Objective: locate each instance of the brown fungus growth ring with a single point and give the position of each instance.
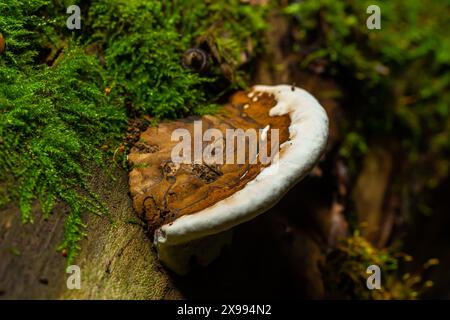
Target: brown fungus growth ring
(196, 178)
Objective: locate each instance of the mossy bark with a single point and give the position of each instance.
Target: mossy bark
(116, 259)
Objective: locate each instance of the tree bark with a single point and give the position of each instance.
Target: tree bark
(116, 259)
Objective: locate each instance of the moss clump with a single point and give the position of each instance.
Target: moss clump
(142, 50)
(52, 121)
(66, 97)
(143, 43)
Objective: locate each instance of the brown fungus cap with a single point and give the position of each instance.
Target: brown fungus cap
(163, 190)
(184, 202)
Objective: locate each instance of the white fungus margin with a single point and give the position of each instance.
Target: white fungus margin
(177, 241)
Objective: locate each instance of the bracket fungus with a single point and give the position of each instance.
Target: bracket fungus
(190, 205)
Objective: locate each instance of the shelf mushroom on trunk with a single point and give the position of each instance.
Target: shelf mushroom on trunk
(190, 205)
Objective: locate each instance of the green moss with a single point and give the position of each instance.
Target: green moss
(143, 43)
(142, 54)
(56, 117)
(20, 26)
(52, 122)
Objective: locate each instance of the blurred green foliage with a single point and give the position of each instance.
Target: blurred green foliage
(346, 272)
(401, 72)
(396, 94)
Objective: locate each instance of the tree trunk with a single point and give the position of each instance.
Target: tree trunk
(116, 259)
